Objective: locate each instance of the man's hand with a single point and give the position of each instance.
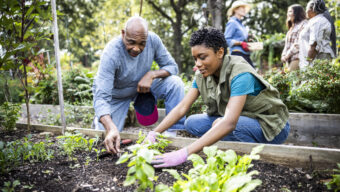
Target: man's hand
(170, 159)
(112, 141)
(144, 84)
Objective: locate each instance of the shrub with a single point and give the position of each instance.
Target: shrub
(9, 114)
(313, 90)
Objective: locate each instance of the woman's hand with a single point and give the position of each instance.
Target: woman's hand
(170, 159)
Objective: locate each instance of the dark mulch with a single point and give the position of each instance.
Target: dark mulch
(87, 174)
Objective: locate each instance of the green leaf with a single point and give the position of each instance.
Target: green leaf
(256, 150)
(235, 182)
(196, 160)
(124, 158)
(129, 180)
(250, 186)
(174, 173)
(230, 156)
(146, 154)
(210, 151)
(148, 170)
(162, 188)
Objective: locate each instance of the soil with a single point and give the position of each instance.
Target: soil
(81, 175)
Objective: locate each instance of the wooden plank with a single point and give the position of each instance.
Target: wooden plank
(292, 156)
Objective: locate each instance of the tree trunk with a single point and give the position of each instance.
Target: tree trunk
(216, 8)
(177, 49)
(24, 63)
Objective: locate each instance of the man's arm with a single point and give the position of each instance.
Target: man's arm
(144, 84)
(102, 97)
(112, 138)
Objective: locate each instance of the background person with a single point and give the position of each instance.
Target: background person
(236, 33)
(317, 36)
(242, 106)
(125, 71)
(296, 20)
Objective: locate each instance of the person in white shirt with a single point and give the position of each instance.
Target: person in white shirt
(317, 40)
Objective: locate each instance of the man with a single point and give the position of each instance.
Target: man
(125, 71)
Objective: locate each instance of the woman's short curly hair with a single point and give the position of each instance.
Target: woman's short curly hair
(209, 37)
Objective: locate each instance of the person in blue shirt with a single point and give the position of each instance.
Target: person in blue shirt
(236, 33)
(125, 70)
(241, 105)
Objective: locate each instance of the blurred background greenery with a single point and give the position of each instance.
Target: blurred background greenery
(85, 26)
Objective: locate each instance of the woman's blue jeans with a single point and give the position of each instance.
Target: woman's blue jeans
(247, 129)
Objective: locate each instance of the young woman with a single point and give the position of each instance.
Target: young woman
(317, 40)
(236, 33)
(242, 106)
(296, 20)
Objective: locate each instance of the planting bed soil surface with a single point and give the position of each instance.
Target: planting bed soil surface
(88, 174)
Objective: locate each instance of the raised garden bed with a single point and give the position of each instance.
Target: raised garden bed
(88, 174)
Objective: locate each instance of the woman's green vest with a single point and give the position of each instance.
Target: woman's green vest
(266, 107)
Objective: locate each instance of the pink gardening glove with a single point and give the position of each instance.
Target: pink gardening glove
(245, 46)
(170, 159)
(151, 137)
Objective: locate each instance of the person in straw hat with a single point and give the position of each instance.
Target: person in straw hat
(236, 33)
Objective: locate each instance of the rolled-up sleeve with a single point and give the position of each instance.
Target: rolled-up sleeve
(163, 57)
(103, 86)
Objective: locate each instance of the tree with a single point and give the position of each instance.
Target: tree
(77, 25)
(269, 17)
(25, 25)
(181, 19)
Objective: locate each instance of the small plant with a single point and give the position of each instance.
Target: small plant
(16, 152)
(73, 142)
(140, 170)
(335, 182)
(9, 114)
(159, 145)
(222, 171)
(9, 186)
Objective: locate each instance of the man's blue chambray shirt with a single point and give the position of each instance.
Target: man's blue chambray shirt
(119, 73)
(235, 31)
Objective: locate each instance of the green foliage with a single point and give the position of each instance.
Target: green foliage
(80, 116)
(77, 87)
(9, 186)
(142, 154)
(222, 171)
(16, 152)
(313, 90)
(159, 145)
(140, 170)
(12, 89)
(70, 143)
(335, 182)
(270, 55)
(77, 25)
(9, 114)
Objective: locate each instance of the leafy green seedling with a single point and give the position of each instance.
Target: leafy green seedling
(222, 171)
(140, 170)
(335, 182)
(9, 186)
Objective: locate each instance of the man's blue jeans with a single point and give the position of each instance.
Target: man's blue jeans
(171, 89)
(247, 129)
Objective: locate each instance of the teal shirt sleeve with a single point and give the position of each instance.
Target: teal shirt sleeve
(245, 84)
(194, 84)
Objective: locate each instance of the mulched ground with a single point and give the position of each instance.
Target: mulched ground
(87, 174)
